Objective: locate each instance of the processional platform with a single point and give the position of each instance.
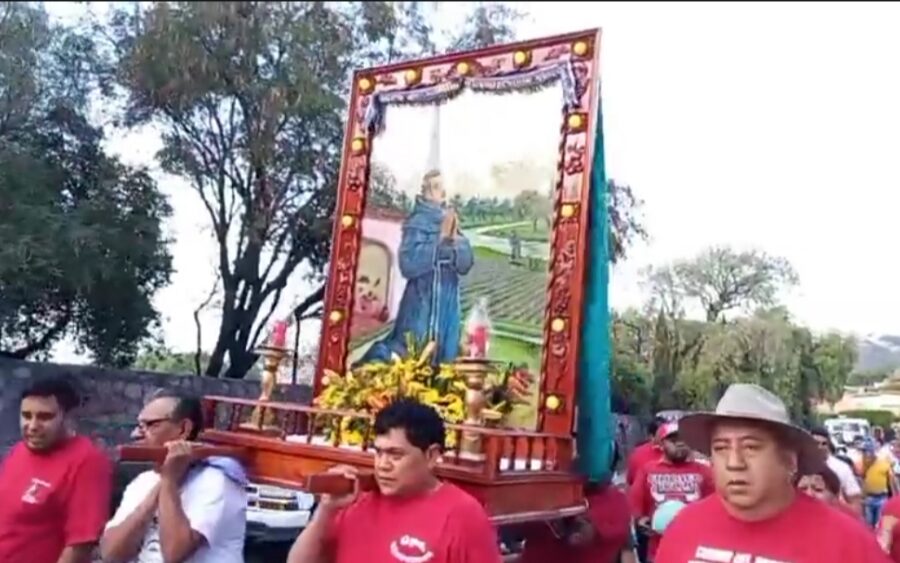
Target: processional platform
(522, 476)
(498, 145)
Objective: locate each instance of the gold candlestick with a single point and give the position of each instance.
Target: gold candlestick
(272, 358)
(474, 372)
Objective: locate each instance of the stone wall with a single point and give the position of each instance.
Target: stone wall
(112, 399)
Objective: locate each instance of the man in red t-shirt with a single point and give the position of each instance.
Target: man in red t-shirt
(674, 477)
(641, 456)
(757, 513)
(412, 516)
(644, 453)
(55, 487)
(599, 536)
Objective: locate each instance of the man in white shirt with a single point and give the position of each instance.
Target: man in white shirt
(850, 489)
(185, 512)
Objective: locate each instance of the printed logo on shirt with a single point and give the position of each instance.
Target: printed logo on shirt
(670, 486)
(151, 551)
(714, 555)
(411, 550)
(36, 492)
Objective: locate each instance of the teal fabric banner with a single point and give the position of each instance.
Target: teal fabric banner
(595, 431)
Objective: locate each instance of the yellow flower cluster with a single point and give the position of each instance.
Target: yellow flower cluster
(373, 386)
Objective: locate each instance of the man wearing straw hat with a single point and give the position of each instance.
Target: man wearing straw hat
(756, 514)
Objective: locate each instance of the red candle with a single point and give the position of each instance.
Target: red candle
(279, 334)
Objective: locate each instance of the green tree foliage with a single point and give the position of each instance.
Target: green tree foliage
(250, 97)
(869, 377)
(163, 360)
(626, 225)
(688, 364)
(723, 279)
(83, 250)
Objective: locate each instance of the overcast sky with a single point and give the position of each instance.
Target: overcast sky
(774, 126)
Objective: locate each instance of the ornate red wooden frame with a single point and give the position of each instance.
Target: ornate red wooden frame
(562, 318)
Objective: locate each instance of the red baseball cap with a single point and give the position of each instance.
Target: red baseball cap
(666, 430)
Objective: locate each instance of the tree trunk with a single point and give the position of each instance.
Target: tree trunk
(217, 358)
(240, 358)
(43, 342)
(241, 362)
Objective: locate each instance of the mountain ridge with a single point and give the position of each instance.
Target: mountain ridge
(878, 353)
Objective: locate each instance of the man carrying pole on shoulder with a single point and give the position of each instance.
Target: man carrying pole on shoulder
(412, 516)
(185, 512)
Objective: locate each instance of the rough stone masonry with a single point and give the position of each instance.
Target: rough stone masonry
(111, 399)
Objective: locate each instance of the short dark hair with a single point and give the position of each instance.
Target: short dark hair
(822, 432)
(423, 425)
(57, 387)
(187, 407)
(829, 477)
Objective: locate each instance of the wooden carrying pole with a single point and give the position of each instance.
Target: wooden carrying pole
(321, 483)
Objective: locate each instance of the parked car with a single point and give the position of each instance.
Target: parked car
(275, 514)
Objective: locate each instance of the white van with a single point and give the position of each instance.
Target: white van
(847, 430)
(275, 514)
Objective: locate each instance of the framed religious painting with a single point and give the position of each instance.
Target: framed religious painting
(458, 269)
(461, 226)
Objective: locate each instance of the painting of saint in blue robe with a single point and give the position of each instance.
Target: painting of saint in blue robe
(433, 255)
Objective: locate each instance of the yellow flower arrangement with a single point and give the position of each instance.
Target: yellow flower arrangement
(373, 386)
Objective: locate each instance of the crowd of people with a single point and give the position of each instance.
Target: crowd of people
(741, 484)
(727, 458)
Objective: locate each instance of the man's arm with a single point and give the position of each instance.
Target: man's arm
(124, 534)
(77, 553)
(177, 539)
(850, 488)
(637, 495)
(87, 507)
(313, 543)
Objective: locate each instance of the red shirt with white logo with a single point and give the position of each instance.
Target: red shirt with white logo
(609, 514)
(641, 456)
(52, 500)
(663, 480)
(445, 526)
(809, 531)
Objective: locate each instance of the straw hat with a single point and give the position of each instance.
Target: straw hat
(745, 401)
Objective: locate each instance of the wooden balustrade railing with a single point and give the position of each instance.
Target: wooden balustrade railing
(505, 452)
(519, 476)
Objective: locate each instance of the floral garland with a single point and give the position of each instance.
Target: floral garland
(373, 386)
